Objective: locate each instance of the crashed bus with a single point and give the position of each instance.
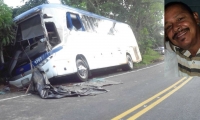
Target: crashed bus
(61, 40)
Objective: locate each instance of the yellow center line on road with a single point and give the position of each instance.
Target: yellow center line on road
(152, 98)
(158, 101)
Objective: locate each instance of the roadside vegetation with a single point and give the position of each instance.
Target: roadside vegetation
(149, 58)
(143, 16)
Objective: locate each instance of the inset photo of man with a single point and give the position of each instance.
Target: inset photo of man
(182, 37)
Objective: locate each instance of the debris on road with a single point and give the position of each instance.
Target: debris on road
(40, 84)
(4, 90)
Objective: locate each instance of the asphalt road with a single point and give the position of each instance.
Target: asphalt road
(144, 95)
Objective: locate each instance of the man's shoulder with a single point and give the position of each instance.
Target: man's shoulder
(170, 46)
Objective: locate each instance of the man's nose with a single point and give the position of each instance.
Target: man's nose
(176, 27)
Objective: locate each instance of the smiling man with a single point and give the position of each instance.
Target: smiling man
(182, 36)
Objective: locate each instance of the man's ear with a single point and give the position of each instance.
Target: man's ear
(196, 17)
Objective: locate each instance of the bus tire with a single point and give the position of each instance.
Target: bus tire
(82, 70)
(129, 65)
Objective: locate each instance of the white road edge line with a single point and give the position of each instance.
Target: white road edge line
(14, 97)
(133, 71)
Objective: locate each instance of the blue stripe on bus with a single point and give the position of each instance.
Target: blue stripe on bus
(37, 61)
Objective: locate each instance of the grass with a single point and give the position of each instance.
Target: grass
(149, 58)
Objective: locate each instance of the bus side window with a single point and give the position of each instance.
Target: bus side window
(80, 23)
(90, 22)
(74, 22)
(86, 23)
(69, 21)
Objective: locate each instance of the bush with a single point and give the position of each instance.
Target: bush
(148, 58)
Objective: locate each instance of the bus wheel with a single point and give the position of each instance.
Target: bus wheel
(82, 70)
(129, 65)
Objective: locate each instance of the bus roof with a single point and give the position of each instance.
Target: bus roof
(52, 6)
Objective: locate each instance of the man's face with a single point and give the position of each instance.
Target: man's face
(180, 26)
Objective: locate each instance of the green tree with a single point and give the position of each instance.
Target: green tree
(146, 14)
(6, 27)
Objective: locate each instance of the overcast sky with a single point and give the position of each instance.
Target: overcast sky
(15, 3)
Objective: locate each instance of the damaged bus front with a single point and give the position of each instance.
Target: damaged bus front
(36, 42)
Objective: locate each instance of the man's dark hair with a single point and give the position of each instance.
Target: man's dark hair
(183, 5)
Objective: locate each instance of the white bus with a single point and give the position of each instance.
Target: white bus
(61, 40)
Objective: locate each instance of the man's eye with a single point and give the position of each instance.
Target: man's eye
(179, 19)
(167, 28)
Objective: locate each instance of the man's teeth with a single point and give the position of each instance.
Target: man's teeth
(181, 34)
